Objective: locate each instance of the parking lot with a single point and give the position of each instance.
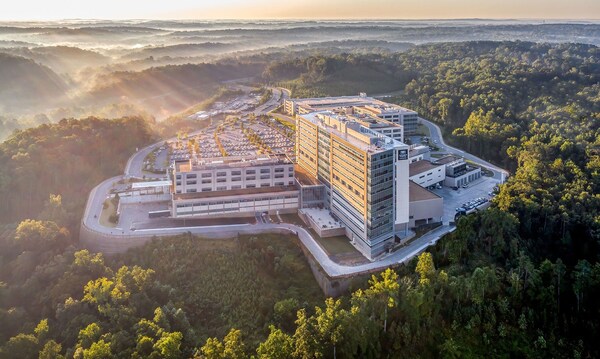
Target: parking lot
(456, 198)
(134, 213)
(234, 137)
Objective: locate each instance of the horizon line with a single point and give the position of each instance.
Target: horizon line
(303, 19)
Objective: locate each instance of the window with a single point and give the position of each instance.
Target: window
(264, 184)
(206, 181)
(250, 178)
(207, 175)
(178, 177)
(265, 170)
(251, 186)
(178, 183)
(279, 175)
(191, 190)
(278, 183)
(265, 176)
(221, 180)
(190, 175)
(236, 179)
(236, 173)
(221, 188)
(221, 174)
(190, 182)
(236, 187)
(250, 172)
(278, 170)
(206, 189)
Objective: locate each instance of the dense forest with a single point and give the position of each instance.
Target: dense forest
(345, 74)
(521, 279)
(68, 159)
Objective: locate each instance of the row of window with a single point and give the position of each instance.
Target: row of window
(234, 173)
(236, 179)
(219, 203)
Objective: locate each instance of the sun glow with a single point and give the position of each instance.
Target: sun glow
(300, 9)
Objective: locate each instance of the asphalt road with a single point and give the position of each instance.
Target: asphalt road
(333, 269)
(437, 139)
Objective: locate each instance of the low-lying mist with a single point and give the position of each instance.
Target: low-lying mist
(50, 70)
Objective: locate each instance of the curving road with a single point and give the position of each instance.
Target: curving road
(436, 137)
(331, 268)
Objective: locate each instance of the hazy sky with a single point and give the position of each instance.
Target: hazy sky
(296, 9)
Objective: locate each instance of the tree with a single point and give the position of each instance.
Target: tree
(212, 349)
(232, 347)
(89, 335)
(21, 346)
(383, 291)
(98, 350)
(51, 350)
(39, 236)
(330, 322)
(581, 280)
(54, 210)
(305, 337)
(481, 280)
(278, 345)
(284, 312)
(425, 268)
(41, 330)
(169, 345)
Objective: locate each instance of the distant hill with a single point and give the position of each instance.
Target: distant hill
(25, 84)
(337, 75)
(61, 59)
(181, 50)
(168, 89)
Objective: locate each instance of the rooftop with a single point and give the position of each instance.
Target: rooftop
(304, 178)
(323, 103)
(139, 185)
(416, 150)
(233, 192)
(447, 159)
(322, 217)
(230, 162)
(417, 193)
(351, 132)
(421, 166)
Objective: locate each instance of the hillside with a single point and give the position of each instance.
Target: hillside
(25, 84)
(337, 75)
(67, 158)
(168, 89)
(61, 59)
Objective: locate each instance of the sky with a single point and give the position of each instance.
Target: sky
(299, 9)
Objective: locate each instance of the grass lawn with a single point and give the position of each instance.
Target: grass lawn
(335, 245)
(285, 120)
(106, 213)
(292, 219)
(338, 248)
